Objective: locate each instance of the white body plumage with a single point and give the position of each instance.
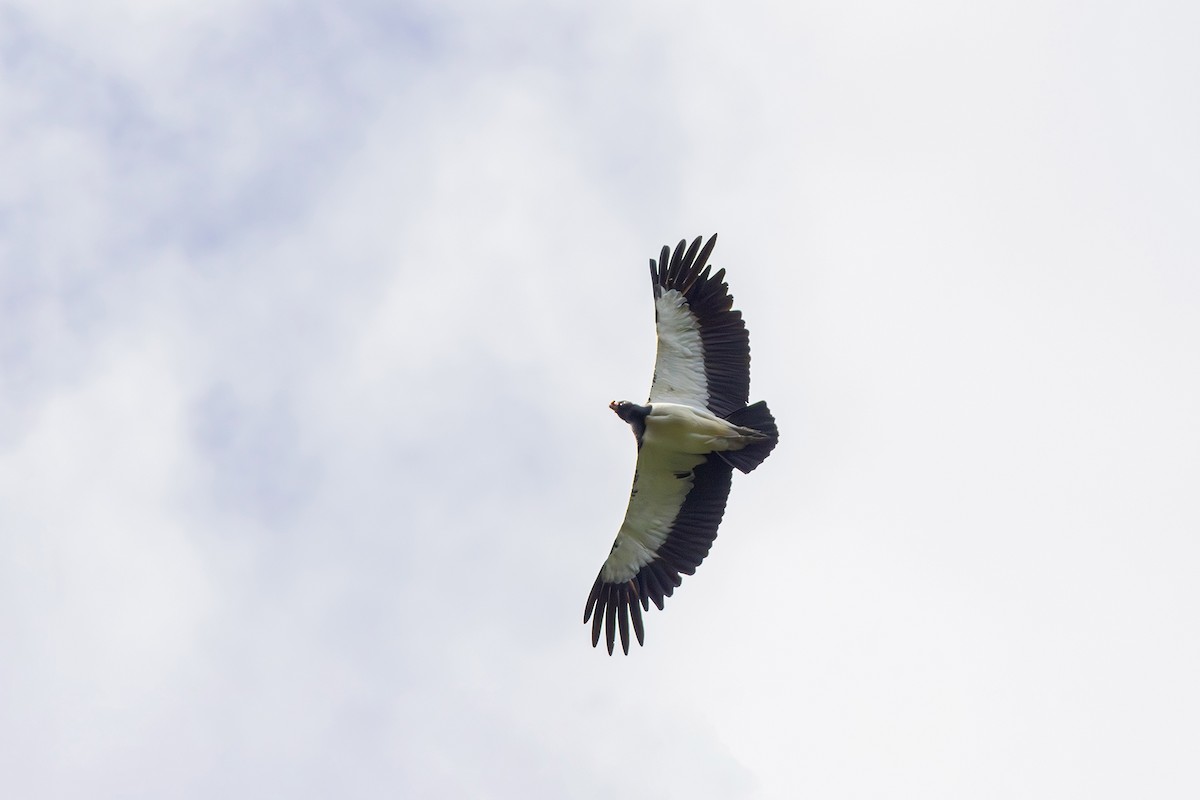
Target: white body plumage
(677, 428)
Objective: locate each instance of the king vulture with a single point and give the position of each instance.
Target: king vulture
(695, 429)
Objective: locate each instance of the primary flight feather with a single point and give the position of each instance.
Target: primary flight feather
(695, 429)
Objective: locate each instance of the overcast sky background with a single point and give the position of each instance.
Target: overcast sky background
(309, 318)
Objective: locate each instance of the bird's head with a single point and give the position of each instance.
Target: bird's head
(630, 412)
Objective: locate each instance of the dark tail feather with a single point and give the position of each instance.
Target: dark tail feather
(756, 417)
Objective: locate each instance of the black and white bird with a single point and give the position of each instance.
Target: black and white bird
(691, 434)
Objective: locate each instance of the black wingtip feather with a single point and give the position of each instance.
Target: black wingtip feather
(702, 259)
(690, 256)
(597, 621)
(676, 263)
(591, 601)
(610, 619)
(638, 630)
(623, 618)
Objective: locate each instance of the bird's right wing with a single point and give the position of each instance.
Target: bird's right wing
(675, 507)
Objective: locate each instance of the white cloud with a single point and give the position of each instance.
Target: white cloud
(311, 320)
(106, 584)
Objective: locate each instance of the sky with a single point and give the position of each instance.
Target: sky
(310, 320)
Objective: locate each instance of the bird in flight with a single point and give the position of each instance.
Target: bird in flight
(695, 429)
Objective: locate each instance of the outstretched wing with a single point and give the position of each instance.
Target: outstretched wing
(703, 346)
(674, 511)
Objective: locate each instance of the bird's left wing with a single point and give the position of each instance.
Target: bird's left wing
(703, 356)
(674, 510)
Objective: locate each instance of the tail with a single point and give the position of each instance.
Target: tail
(758, 418)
